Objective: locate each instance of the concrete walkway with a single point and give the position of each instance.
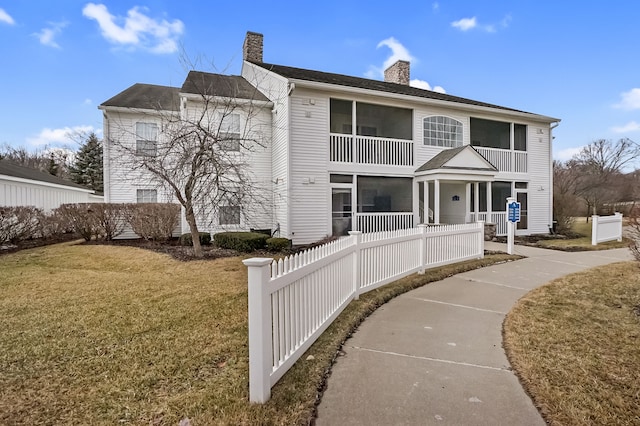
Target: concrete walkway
(434, 355)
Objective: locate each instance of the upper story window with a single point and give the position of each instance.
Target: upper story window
(371, 120)
(146, 139)
(146, 196)
(442, 131)
(497, 134)
(229, 134)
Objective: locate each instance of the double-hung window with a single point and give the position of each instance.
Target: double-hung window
(229, 215)
(229, 134)
(146, 196)
(146, 139)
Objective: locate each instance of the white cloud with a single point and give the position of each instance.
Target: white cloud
(435, 6)
(398, 52)
(567, 153)
(632, 126)
(6, 18)
(630, 100)
(465, 24)
(421, 84)
(59, 136)
(47, 35)
(87, 101)
(137, 29)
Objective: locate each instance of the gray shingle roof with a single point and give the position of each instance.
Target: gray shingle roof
(147, 96)
(439, 161)
(227, 86)
(377, 85)
(9, 168)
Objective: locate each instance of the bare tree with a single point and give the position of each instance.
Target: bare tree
(55, 161)
(598, 165)
(199, 152)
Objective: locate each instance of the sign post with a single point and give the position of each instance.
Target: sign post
(513, 217)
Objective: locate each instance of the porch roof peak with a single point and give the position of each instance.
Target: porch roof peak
(457, 159)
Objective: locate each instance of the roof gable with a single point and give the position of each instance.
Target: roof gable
(461, 158)
(146, 96)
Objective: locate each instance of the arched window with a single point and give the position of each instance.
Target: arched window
(442, 131)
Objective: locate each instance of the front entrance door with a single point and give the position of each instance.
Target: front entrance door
(522, 198)
(341, 211)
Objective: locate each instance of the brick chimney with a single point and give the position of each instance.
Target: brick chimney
(252, 48)
(398, 73)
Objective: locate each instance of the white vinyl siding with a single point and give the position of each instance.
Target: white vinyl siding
(539, 185)
(22, 192)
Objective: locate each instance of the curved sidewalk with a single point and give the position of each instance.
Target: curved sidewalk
(434, 355)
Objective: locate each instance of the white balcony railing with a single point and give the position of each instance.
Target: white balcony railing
(370, 150)
(499, 218)
(505, 160)
(376, 222)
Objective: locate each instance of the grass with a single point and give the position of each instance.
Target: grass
(574, 345)
(94, 334)
(582, 243)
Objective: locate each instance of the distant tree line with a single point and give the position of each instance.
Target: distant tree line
(83, 166)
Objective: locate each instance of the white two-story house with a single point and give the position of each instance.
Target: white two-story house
(348, 153)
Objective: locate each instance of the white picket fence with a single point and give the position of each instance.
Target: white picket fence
(292, 301)
(606, 228)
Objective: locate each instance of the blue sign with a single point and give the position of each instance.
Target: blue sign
(513, 213)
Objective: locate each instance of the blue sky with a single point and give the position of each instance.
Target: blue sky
(574, 60)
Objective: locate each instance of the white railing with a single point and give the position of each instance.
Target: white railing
(606, 228)
(293, 300)
(370, 150)
(505, 160)
(499, 218)
(376, 222)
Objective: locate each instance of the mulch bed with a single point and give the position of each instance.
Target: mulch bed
(171, 247)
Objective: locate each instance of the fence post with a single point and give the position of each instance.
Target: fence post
(260, 350)
(357, 239)
(618, 216)
(481, 235)
(423, 247)
(594, 230)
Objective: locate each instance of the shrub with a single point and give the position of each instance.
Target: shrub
(80, 219)
(241, 241)
(19, 223)
(153, 221)
(111, 219)
(186, 240)
(278, 244)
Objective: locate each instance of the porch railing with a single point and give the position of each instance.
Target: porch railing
(499, 218)
(370, 150)
(505, 160)
(377, 222)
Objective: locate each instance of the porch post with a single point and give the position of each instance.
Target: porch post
(467, 204)
(425, 203)
(436, 201)
(476, 199)
(489, 207)
(416, 202)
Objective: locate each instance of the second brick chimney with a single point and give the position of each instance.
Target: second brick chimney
(398, 73)
(252, 48)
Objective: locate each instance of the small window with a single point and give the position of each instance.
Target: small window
(229, 215)
(521, 185)
(146, 139)
(341, 178)
(229, 135)
(146, 196)
(519, 137)
(442, 131)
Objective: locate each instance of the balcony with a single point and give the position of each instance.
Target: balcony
(505, 160)
(370, 150)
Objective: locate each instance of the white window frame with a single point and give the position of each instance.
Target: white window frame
(229, 131)
(442, 131)
(146, 139)
(146, 195)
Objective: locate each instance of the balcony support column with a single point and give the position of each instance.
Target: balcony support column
(436, 201)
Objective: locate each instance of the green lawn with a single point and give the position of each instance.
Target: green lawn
(93, 334)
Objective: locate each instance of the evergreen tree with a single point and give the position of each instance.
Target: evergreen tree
(87, 167)
(52, 166)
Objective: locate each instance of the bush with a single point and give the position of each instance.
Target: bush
(111, 219)
(241, 241)
(19, 223)
(153, 221)
(80, 219)
(278, 244)
(204, 237)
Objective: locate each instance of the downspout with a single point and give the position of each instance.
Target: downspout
(553, 126)
(291, 87)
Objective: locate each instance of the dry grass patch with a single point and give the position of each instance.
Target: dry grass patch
(94, 334)
(581, 243)
(574, 344)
